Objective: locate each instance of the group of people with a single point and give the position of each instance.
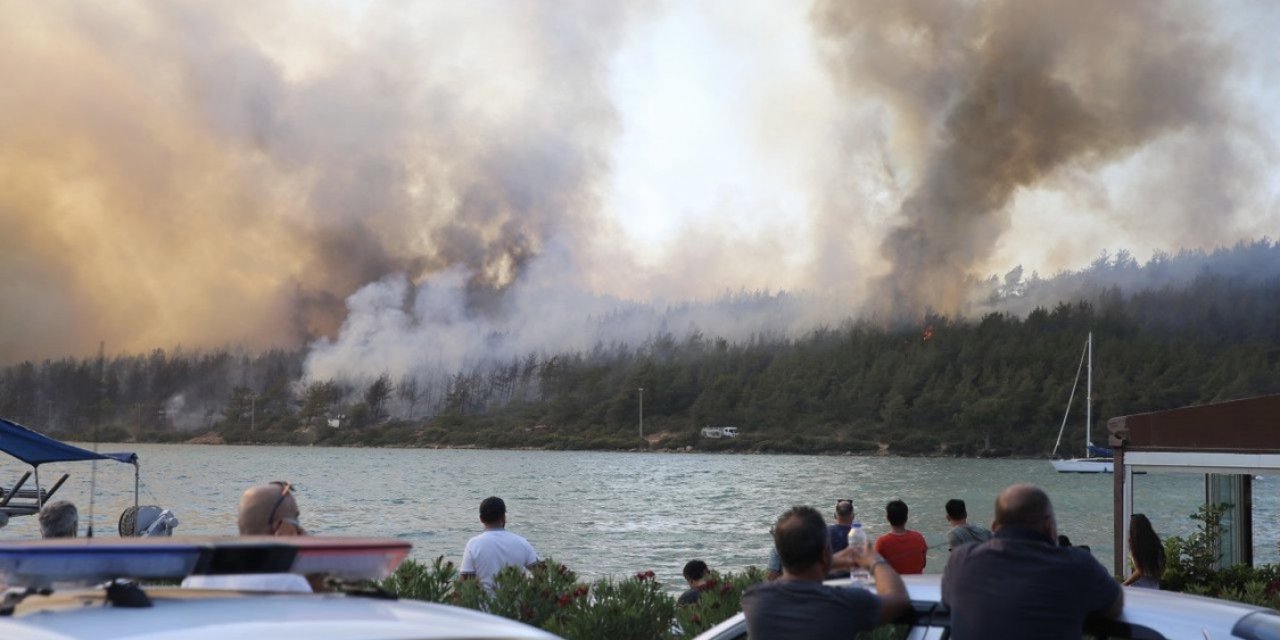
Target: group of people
(272, 510)
(904, 549)
(1014, 582)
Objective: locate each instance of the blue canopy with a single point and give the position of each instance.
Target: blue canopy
(36, 449)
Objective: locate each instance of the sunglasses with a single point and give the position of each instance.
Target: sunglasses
(285, 490)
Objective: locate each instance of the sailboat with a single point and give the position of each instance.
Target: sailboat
(1097, 459)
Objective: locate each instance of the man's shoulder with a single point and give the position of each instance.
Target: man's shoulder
(516, 538)
(803, 589)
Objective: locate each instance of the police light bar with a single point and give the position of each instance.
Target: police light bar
(88, 561)
(76, 561)
(349, 558)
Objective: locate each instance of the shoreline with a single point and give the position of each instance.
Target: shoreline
(210, 439)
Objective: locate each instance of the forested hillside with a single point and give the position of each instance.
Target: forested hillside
(941, 386)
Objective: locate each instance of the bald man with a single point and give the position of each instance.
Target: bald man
(1020, 583)
(265, 510)
(269, 510)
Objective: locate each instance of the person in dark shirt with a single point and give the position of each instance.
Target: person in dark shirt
(961, 531)
(798, 605)
(838, 533)
(696, 574)
(1021, 584)
(1146, 552)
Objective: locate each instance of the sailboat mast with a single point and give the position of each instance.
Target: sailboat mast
(1088, 402)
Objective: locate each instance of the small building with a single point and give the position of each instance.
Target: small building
(1229, 442)
(729, 432)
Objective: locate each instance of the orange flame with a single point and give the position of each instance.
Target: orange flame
(928, 332)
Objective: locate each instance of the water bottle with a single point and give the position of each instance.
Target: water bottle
(858, 542)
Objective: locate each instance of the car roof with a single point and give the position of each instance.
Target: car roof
(1172, 614)
(1147, 607)
(200, 614)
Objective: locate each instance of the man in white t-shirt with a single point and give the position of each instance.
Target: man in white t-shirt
(487, 553)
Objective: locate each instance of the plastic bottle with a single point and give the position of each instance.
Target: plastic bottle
(858, 541)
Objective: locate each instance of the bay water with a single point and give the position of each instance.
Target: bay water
(606, 513)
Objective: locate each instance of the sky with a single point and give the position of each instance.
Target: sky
(355, 177)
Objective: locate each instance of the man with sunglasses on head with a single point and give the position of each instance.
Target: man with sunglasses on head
(265, 510)
(837, 533)
(269, 510)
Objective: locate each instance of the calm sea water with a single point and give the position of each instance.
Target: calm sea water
(607, 513)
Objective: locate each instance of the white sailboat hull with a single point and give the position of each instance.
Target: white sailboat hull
(1084, 465)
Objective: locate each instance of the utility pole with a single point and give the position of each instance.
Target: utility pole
(641, 412)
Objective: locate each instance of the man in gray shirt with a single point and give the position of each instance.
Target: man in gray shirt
(1020, 583)
(798, 605)
(961, 531)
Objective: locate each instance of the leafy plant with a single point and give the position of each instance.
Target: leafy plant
(634, 608)
(1193, 566)
(532, 597)
(549, 596)
(418, 581)
(1194, 560)
(721, 598)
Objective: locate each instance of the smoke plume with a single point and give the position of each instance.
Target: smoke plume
(1000, 96)
(434, 185)
(214, 173)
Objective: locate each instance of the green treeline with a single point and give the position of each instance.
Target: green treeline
(994, 385)
(1000, 383)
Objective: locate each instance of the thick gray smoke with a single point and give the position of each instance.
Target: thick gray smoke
(409, 186)
(230, 172)
(434, 328)
(1002, 95)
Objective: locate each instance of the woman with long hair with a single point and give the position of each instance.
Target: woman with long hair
(1145, 552)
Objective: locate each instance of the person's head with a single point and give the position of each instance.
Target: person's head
(896, 513)
(800, 535)
(844, 511)
(695, 571)
(493, 512)
(59, 520)
(956, 511)
(1026, 505)
(1145, 546)
(269, 510)
(1063, 541)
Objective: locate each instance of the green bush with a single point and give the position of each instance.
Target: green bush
(417, 581)
(532, 597)
(634, 608)
(721, 598)
(1193, 560)
(549, 596)
(1192, 566)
